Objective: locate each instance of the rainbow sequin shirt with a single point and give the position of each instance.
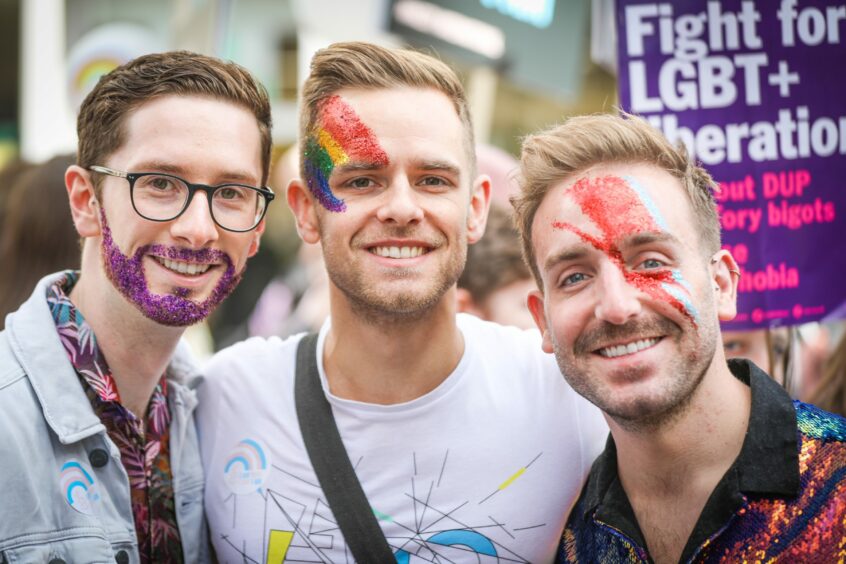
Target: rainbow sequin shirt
(783, 500)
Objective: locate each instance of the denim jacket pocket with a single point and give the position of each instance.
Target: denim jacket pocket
(68, 547)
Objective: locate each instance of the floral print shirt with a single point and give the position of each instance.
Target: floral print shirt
(144, 453)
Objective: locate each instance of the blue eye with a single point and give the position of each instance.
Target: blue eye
(651, 264)
(574, 278)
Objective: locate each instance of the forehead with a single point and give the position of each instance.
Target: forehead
(192, 132)
(614, 203)
(408, 122)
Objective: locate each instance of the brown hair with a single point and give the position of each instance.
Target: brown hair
(368, 66)
(495, 261)
(581, 142)
(104, 111)
(37, 236)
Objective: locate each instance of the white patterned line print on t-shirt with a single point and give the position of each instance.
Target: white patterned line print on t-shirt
(443, 530)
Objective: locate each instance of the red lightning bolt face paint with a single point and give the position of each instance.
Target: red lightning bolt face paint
(620, 208)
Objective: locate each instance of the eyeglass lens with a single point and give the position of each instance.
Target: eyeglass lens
(162, 198)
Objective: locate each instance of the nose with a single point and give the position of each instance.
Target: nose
(400, 206)
(195, 226)
(618, 300)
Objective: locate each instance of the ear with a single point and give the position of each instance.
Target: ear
(84, 207)
(726, 275)
(536, 307)
(480, 201)
(302, 205)
(255, 243)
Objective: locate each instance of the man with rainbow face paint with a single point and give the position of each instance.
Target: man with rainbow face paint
(99, 453)
(468, 444)
(709, 460)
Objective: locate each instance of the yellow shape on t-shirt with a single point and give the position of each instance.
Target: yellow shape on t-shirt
(277, 546)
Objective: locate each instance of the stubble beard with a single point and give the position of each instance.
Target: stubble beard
(378, 307)
(683, 375)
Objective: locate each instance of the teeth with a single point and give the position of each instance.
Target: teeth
(184, 267)
(631, 348)
(398, 252)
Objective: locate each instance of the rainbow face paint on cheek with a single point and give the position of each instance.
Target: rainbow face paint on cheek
(621, 207)
(339, 137)
(175, 309)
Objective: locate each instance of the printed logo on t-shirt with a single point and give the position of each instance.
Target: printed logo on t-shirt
(247, 466)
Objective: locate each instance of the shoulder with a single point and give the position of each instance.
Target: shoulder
(248, 364)
(21, 415)
(16, 391)
(10, 369)
(501, 340)
(250, 354)
(818, 425)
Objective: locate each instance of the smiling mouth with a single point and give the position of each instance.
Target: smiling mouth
(183, 267)
(396, 252)
(629, 348)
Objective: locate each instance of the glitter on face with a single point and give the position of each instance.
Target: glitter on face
(175, 309)
(620, 209)
(339, 137)
(647, 201)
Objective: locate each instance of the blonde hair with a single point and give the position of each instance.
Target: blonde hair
(368, 66)
(582, 142)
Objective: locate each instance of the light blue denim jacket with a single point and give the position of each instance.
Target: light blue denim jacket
(64, 494)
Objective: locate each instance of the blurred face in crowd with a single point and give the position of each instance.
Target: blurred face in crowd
(765, 347)
(507, 305)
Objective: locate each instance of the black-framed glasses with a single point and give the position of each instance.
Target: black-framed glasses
(164, 197)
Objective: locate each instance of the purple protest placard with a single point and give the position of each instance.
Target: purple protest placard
(757, 91)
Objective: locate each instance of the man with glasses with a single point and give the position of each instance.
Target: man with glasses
(98, 454)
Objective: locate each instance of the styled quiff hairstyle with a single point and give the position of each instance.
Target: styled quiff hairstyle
(371, 67)
(100, 124)
(582, 142)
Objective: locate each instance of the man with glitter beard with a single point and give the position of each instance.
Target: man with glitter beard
(98, 455)
(709, 460)
(467, 443)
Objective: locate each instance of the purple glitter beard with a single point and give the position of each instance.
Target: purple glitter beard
(176, 310)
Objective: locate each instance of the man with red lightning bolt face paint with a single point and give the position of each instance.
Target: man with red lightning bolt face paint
(621, 232)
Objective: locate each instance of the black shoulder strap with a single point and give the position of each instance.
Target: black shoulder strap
(332, 463)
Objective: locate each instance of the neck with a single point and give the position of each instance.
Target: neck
(137, 349)
(393, 361)
(694, 449)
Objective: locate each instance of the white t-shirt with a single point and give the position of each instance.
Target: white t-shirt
(484, 468)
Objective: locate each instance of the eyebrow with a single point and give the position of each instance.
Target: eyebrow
(444, 166)
(640, 239)
(355, 166)
(568, 255)
(170, 168)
